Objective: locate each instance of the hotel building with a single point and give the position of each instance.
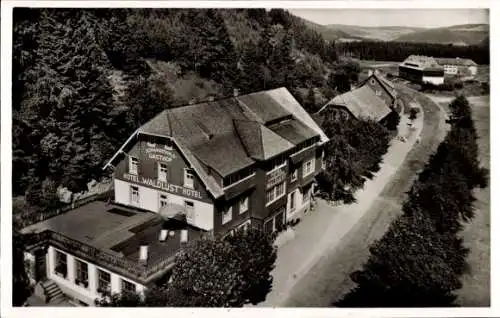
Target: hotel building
(204, 169)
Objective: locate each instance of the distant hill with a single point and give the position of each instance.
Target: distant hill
(388, 33)
(332, 34)
(460, 35)
(466, 34)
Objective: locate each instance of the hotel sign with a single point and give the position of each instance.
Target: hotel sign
(275, 177)
(165, 186)
(160, 154)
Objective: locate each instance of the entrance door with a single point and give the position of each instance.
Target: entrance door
(280, 220)
(40, 266)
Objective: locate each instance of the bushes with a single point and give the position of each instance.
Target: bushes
(420, 259)
(353, 153)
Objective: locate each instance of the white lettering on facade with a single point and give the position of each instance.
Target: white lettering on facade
(160, 154)
(276, 177)
(172, 188)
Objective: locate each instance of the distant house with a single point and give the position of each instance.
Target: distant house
(458, 66)
(374, 98)
(381, 86)
(422, 69)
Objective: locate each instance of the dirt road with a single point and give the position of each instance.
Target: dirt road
(328, 279)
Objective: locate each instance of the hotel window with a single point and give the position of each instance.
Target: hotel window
(133, 165)
(82, 273)
(294, 175)
(280, 189)
(227, 215)
(270, 195)
(134, 194)
(189, 205)
(128, 287)
(188, 178)
(276, 163)
(243, 205)
(308, 167)
(104, 282)
(61, 264)
(275, 193)
(163, 200)
(162, 172)
(235, 177)
(292, 201)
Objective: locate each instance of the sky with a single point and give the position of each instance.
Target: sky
(426, 18)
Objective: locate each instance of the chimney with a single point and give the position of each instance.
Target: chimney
(143, 253)
(163, 235)
(236, 92)
(184, 236)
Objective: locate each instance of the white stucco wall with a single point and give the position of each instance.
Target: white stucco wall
(149, 199)
(433, 80)
(89, 294)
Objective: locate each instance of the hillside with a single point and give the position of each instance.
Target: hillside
(84, 80)
(469, 34)
(332, 33)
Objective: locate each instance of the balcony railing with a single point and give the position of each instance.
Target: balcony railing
(113, 261)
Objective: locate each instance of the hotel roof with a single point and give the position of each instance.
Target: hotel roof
(118, 230)
(230, 134)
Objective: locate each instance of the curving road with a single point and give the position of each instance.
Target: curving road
(328, 280)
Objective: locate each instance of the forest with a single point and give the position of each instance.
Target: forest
(399, 51)
(84, 80)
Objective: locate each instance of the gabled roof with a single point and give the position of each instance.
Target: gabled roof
(362, 102)
(230, 134)
(385, 83)
(455, 61)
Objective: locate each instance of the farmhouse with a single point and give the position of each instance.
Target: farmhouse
(374, 98)
(199, 170)
(464, 68)
(422, 69)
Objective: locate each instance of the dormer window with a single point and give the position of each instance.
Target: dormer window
(133, 165)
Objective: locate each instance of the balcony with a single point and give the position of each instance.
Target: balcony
(303, 154)
(237, 188)
(116, 263)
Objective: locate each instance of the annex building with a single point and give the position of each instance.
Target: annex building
(422, 69)
(463, 68)
(199, 170)
(374, 98)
